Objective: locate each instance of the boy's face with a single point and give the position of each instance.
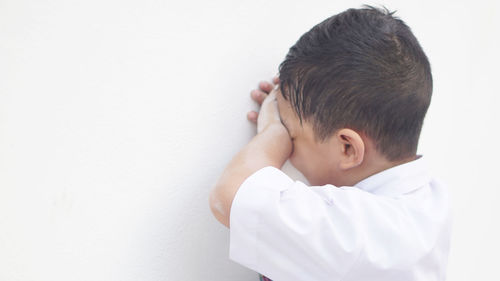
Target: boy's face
(316, 161)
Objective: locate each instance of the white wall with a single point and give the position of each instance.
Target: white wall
(116, 117)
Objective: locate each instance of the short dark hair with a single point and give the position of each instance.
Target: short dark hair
(361, 69)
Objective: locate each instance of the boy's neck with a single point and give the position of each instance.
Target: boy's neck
(375, 165)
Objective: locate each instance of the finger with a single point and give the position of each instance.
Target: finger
(276, 79)
(252, 116)
(258, 96)
(266, 86)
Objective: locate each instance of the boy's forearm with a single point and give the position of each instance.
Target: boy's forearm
(271, 147)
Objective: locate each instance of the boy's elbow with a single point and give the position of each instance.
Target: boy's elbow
(218, 207)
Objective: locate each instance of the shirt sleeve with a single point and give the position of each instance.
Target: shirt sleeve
(289, 231)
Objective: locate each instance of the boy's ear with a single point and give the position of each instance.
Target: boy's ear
(352, 148)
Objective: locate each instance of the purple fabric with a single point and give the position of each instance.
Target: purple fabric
(264, 278)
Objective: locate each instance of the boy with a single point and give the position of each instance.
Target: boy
(347, 110)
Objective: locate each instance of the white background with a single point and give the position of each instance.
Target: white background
(116, 118)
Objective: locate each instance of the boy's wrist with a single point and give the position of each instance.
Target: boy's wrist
(276, 128)
(278, 142)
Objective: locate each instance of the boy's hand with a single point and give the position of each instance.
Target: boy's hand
(266, 97)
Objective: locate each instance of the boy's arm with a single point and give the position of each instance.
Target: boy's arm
(270, 147)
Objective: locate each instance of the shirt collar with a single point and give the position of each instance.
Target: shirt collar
(399, 179)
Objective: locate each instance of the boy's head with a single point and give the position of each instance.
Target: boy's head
(353, 93)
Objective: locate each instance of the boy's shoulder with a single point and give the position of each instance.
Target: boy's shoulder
(394, 222)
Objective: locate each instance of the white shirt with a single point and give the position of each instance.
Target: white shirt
(394, 225)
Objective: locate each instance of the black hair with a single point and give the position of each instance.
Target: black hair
(361, 69)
